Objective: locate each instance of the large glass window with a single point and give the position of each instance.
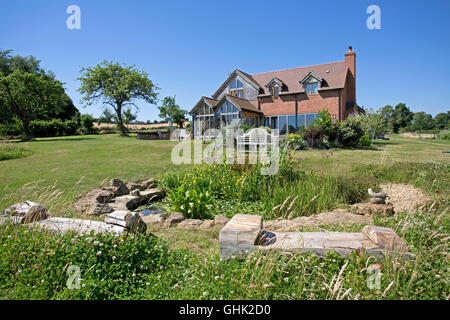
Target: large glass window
(237, 89)
(301, 121)
(225, 114)
(283, 125)
(291, 124)
(274, 122)
(309, 119)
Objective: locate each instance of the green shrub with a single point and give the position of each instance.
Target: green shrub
(295, 141)
(350, 132)
(54, 127)
(13, 128)
(444, 136)
(87, 124)
(365, 140)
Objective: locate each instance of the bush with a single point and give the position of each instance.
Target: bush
(13, 128)
(314, 136)
(350, 132)
(54, 127)
(444, 136)
(87, 124)
(295, 142)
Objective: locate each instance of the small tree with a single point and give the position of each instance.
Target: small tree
(116, 86)
(128, 116)
(170, 109)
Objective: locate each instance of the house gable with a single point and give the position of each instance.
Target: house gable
(250, 88)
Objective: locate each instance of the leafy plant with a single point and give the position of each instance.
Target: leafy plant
(194, 204)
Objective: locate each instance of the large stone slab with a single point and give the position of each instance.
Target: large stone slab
(64, 225)
(240, 235)
(244, 233)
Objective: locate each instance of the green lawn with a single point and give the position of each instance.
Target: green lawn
(76, 164)
(60, 169)
(382, 152)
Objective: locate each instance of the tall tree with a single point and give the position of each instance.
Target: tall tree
(28, 95)
(388, 119)
(10, 63)
(422, 121)
(117, 86)
(442, 121)
(169, 110)
(402, 117)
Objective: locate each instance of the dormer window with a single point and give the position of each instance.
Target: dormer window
(311, 83)
(237, 89)
(275, 86)
(312, 88)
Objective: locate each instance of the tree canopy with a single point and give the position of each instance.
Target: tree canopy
(28, 96)
(13, 76)
(117, 86)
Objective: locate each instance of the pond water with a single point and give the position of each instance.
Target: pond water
(147, 212)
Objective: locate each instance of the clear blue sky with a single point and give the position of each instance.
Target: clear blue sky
(190, 47)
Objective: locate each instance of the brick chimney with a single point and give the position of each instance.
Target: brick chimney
(350, 83)
(350, 60)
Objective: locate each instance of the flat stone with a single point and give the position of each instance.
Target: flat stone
(369, 208)
(99, 209)
(63, 225)
(174, 218)
(220, 220)
(208, 224)
(146, 184)
(127, 202)
(134, 186)
(151, 195)
(154, 219)
(190, 223)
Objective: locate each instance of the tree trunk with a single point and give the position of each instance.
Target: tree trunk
(123, 130)
(26, 130)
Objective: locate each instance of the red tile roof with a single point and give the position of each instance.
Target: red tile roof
(333, 73)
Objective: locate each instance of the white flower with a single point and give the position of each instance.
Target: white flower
(99, 253)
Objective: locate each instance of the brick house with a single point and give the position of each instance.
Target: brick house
(284, 100)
